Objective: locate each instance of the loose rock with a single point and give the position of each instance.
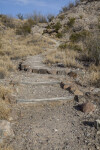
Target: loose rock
(5, 130)
(88, 107)
(72, 74)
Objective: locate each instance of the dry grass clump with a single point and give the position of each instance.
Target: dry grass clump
(92, 45)
(5, 93)
(4, 110)
(95, 78)
(6, 66)
(68, 58)
(70, 46)
(7, 21)
(4, 147)
(5, 97)
(3, 73)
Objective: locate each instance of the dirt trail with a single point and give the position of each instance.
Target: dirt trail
(47, 125)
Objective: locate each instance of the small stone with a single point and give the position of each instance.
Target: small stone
(72, 74)
(98, 132)
(54, 72)
(97, 124)
(10, 119)
(66, 87)
(88, 107)
(78, 93)
(5, 130)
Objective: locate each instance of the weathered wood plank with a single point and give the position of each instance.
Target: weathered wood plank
(32, 83)
(45, 99)
(41, 83)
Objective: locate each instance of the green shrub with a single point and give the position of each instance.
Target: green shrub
(74, 47)
(57, 26)
(59, 35)
(61, 17)
(50, 17)
(81, 16)
(66, 8)
(37, 18)
(25, 28)
(71, 22)
(48, 27)
(70, 46)
(20, 16)
(76, 37)
(63, 46)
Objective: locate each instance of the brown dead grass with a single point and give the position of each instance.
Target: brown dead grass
(94, 75)
(4, 110)
(16, 47)
(5, 93)
(67, 57)
(5, 96)
(4, 147)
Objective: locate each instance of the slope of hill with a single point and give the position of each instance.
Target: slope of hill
(78, 29)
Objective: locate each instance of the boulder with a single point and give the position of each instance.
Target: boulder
(78, 93)
(88, 107)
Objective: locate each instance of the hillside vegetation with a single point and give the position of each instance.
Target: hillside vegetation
(78, 27)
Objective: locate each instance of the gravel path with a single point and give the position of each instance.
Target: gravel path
(55, 125)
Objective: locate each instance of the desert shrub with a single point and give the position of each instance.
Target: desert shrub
(71, 22)
(77, 2)
(81, 16)
(57, 26)
(37, 18)
(25, 28)
(71, 5)
(63, 46)
(20, 16)
(76, 37)
(74, 47)
(50, 17)
(59, 35)
(92, 45)
(7, 21)
(70, 46)
(66, 8)
(61, 17)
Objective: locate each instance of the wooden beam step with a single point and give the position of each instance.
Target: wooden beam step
(45, 99)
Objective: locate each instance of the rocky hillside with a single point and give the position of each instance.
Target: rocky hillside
(78, 29)
(84, 16)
